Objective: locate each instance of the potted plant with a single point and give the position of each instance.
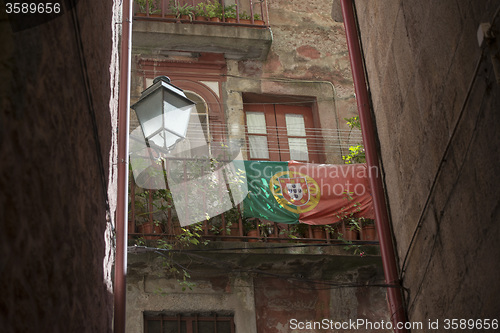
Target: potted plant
(257, 20)
(250, 229)
(184, 12)
(245, 18)
(150, 227)
(266, 228)
(232, 229)
(151, 7)
(289, 232)
(332, 230)
(351, 229)
(299, 230)
(319, 232)
(200, 13)
(369, 231)
(214, 11)
(230, 14)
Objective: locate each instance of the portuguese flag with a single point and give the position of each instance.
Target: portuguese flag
(316, 194)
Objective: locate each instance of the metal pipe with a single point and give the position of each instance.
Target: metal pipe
(398, 314)
(122, 186)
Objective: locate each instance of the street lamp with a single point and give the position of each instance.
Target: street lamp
(163, 112)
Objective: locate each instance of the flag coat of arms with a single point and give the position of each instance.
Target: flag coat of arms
(316, 194)
(295, 190)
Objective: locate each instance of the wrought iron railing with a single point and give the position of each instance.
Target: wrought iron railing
(151, 219)
(234, 12)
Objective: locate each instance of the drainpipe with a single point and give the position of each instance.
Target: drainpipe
(394, 296)
(122, 186)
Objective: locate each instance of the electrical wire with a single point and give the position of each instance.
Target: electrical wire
(438, 220)
(91, 106)
(441, 164)
(317, 140)
(448, 145)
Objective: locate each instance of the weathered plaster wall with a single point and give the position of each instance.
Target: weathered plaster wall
(308, 57)
(264, 289)
(282, 304)
(439, 141)
(54, 258)
(149, 288)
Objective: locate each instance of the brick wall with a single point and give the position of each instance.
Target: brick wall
(53, 273)
(439, 142)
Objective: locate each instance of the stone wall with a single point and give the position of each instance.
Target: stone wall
(437, 120)
(54, 257)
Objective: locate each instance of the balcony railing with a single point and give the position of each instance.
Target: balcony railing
(258, 231)
(152, 216)
(226, 12)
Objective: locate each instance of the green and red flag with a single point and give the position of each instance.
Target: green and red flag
(316, 194)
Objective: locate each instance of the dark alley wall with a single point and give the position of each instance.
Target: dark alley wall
(54, 275)
(437, 120)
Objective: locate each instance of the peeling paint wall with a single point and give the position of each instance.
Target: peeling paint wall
(308, 57)
(266, 291)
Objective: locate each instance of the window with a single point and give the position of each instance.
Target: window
(196, 138)
(279, 132)
(188, 323)
(257, 135)
(297, 142)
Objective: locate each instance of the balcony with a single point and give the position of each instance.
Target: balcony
(239, 29)
(152, 217)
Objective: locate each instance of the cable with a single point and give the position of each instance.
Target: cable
(91, 107)
(441, 164)
(443, 159)
(495, 16)
(438, 223)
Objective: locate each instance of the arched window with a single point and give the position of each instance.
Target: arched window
(199, 122)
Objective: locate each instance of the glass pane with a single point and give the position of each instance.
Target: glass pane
(223, 327)
(153, 326)
(258, 147)
(198, 131)
(298, 149)
(295, 125)
(256, 123)
(170, 326)
(206, 326)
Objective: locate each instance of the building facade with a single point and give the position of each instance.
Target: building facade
(276, 90)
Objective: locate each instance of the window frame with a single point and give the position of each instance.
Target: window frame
(277, 134)
(191, 321)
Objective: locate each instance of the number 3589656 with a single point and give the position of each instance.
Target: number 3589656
(32, 8)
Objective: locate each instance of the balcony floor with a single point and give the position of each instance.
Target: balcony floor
(236, 42)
